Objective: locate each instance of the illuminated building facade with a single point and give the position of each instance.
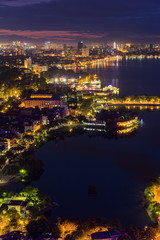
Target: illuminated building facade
(38, 69)
(114, 45)
(85, 52)
(28, 63)
(42, 101)
(50, 45)
(41, 96)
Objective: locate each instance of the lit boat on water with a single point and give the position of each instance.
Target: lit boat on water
(127, 127)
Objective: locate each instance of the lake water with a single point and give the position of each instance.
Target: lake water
(119, 168)
(131, 76)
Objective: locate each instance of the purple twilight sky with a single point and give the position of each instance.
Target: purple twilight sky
(71, 20)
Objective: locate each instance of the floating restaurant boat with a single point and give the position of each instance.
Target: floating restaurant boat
(127, 127)
(128, 123)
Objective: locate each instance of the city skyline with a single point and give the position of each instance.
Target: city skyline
(70, 21)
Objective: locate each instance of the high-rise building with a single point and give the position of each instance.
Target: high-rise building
(85, 52)
(64, 47)
(47, 45)
(21, 51)
(16, 43)
(53, 45)
(152, 46)
(50, 45)
(114, 45)
(80, 45)
(28, 63)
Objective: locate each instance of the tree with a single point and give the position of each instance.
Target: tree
(79, 229)
(66, 227)
(124, 237)
(86, 106)
(11, 219)
(149, 233)
(135, 233)
(39, 227)
(30, 192)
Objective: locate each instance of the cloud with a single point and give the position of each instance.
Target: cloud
(62, 35)
(120, 18)
(145, 37)
(19, 3)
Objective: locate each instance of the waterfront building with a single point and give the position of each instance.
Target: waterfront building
(103, 92)
(42, 101)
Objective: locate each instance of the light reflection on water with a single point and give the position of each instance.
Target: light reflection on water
(133, 77)
(119, 168)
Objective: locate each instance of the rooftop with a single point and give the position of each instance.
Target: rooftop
(101, 235)
(18, 203)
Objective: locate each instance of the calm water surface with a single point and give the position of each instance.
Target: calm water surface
(119, 168)
(131, 76)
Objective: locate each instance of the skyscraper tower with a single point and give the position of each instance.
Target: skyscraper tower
(80, 45)
(28, 63)
(114, 45)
